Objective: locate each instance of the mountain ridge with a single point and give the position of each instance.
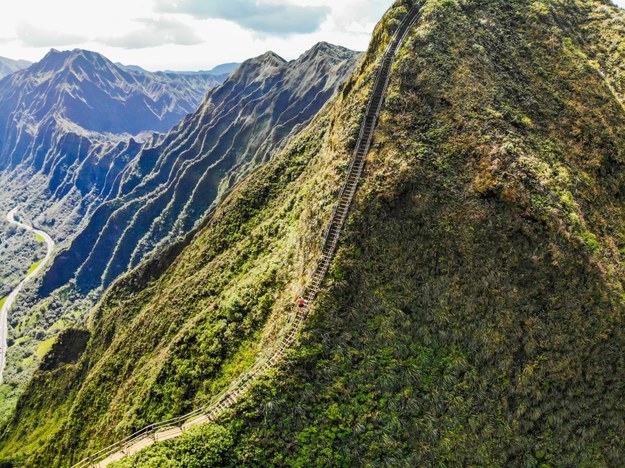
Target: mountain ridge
(64, 73)
(238, 127)
(120, 200)
(58, 165)
(474, 313)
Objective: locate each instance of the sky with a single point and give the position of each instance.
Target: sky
(184, 34)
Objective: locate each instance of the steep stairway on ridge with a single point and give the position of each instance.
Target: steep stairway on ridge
(177, 426)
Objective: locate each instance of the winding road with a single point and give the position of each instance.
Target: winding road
(10, 300)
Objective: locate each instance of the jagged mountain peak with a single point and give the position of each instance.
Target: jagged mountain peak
(325, 49)
(323, 54)
(57, 67)
(267, 62)
(72, 83)
(57, 60)
(66, 53)
(91, 57)
(270, 64)
(270, 58)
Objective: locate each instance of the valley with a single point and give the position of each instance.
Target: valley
(133, 196)
(12, 297)
(68, 161)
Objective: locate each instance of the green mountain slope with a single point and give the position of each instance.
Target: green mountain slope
(474, 314)
(222, 301)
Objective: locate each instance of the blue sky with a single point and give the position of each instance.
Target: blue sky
(185, 34)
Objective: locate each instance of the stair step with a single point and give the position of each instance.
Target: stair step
(335, 228)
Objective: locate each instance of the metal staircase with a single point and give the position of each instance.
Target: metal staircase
(177, 426)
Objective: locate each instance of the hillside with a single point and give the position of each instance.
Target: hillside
(59, 161)
(474, 313)
(125, 200)
(171, 186)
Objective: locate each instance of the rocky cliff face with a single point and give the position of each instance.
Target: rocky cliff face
(65, 126)
(173, 184)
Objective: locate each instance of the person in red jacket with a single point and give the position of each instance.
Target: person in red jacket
(301, 303)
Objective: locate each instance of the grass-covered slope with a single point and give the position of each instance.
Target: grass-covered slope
(170, 335)
(474, 314)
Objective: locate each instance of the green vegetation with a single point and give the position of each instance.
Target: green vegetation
(18, 251)
(39, 238)
(29, 326)
(169, 336)
(33, 267)
(2, 300)
(44, 347)
(474, 315)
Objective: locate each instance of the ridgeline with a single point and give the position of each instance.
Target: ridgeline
(474, 312)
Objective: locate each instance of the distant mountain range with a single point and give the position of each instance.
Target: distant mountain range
(110, 199)
(170, 186)
(8, 66)
(90, 91)
(223, 69)
(65, 126)
(220, 71)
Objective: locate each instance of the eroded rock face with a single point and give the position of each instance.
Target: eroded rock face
(65, 130)
(172, 184)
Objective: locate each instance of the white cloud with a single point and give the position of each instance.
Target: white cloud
(175, 40)
(154, 33)
(38, 36)
(271, 17)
